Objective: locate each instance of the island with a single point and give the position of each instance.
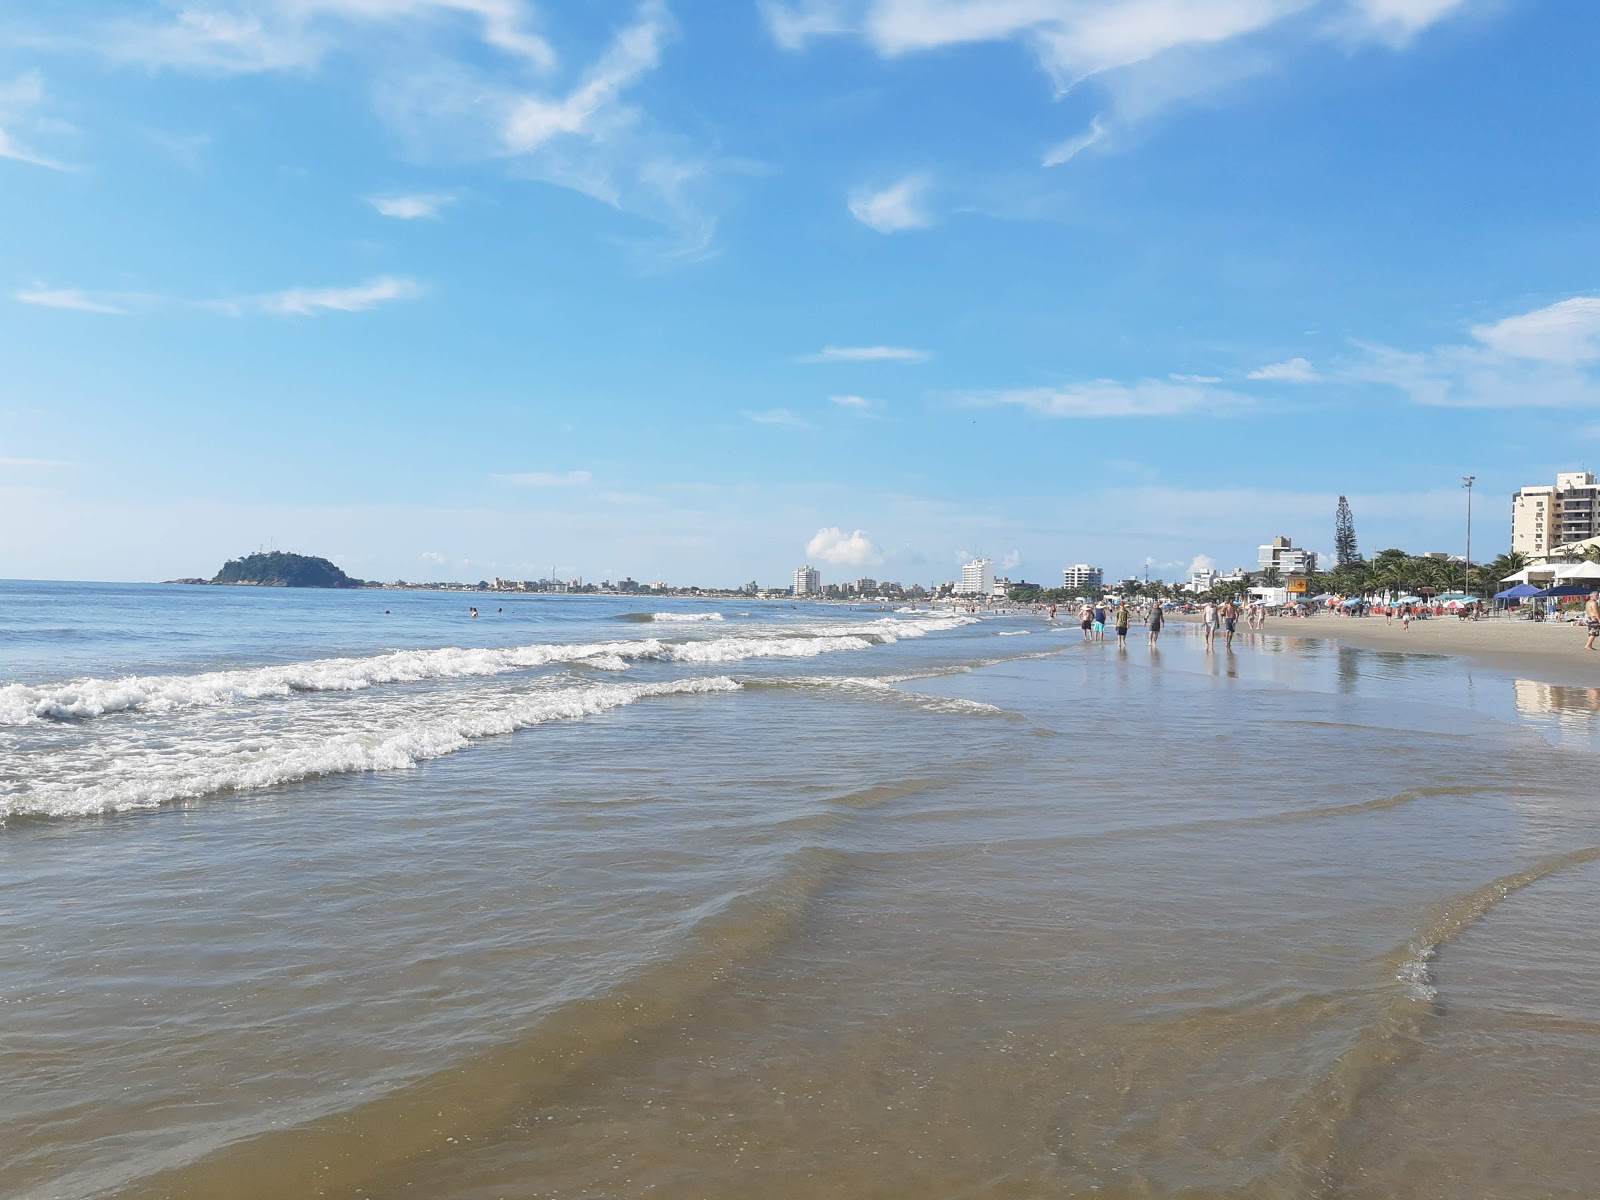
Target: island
(279, 568)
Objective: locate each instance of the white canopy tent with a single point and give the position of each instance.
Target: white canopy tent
(1577, 572)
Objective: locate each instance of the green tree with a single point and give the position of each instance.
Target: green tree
(1345, 553)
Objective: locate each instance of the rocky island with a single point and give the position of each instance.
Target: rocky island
(279, 568)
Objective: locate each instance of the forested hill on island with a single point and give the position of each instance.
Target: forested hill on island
(281, 569)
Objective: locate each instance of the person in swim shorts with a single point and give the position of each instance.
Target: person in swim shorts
(1086, 620)
(1099, 622)
(1123, 616)
(1156, 618)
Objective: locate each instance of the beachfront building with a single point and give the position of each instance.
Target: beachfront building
(1544, 517)
(807, 581)
(977, 578)
(1081, 576)
(1287, 559)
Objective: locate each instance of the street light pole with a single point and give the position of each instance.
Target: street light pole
(1466, 482)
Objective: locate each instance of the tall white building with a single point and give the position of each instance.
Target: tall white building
(977, 578)
(1544, 517)
(1082, 575)
(807, 581)
(1286, 559)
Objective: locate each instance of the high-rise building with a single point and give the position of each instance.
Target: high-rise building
(807, 581)
(1544, 517)
(1082, 575)
(977, 578)
(1279, 555)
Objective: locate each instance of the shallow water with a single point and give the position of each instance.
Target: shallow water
(597, 904)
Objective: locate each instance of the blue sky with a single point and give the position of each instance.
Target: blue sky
(699, 289)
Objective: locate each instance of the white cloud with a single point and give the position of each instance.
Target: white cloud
(278, 35)
(1110, 398)
(777, 416)
(832, 545)
(893, 209)
(1202, 562)
(859, 404)
(1194, 378)
(517, 105)
(1010, 561)
(68, 298)
(1567, 332)
(18, 100)
(1549, 357)
(1149, 54)
(432, 556)
(306, 302)
(418, 206)
(1064, 152)
(1294, 370)
(548, 479)
(830, 354)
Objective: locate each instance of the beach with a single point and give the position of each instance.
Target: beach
(584, 899)
(1551, 651)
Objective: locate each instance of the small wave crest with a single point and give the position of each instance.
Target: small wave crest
(672, 617)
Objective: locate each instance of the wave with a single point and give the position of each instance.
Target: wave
(883, 687)
(203, 767)
(89, 698)
(673, 617)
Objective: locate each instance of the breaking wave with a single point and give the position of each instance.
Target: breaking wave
(87, 698)
(202, 766)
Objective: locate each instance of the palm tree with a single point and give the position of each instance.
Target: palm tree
(1505, 566)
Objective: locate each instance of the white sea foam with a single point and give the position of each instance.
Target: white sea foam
(201, 763)
(705, 616)
(1417, 973)
(87, 698)
(1013, 632)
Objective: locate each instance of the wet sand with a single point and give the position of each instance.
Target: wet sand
(1548, 651)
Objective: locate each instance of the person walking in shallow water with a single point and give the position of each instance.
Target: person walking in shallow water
(1208, 622)
(1156, 617)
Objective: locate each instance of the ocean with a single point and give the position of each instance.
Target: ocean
(346, 894)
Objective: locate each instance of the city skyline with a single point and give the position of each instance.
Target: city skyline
(440, 289)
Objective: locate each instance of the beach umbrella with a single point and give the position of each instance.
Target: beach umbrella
(1352, 603)
(1457, 596)
(1408, 599)
(1521, 592)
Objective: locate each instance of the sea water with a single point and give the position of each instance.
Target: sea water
(350, 893)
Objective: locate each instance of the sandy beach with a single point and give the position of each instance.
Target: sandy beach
(1550, 652)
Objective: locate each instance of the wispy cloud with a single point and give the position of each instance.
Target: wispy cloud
(1567, 332)
(829, 354)
(1109, 398)
(547, 479)
(895, 208)
(856, 404)
(38, 463)
(1194, 378)
(777, 416)
(1294, 370)
(834, 546)
(1064, 152)
(308, 302)
(414, 207)
(67, 298)
(1146, 54)
(18, 100)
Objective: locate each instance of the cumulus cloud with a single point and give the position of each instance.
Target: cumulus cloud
(547, 479)
(830, 354)
(893, 209)
(67, 298)
(777, 416)
(832, 545)
(1111, 398)
(1295, 370)
(418, 206)
(432, 556)
(1202, 562)
(307, 302)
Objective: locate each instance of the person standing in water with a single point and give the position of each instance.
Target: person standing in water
(1208, 622)
(1156, 617)
(1100, 621)
(1230, 621)
(1123, 617)
(1086, 619)
(1591, 616)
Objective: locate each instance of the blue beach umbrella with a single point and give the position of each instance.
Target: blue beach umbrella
(1521, 592)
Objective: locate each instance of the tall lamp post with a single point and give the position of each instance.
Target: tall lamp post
(1466, 482)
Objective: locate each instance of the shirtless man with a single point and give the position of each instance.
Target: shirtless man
(1591, 614)
(1229, 612)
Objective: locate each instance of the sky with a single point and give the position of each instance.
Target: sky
(700, 290)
